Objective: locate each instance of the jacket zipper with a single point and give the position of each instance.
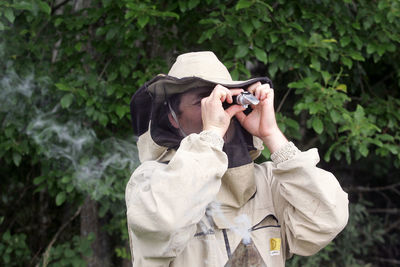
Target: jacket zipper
(228, 248)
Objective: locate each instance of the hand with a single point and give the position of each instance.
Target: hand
(261, 122)
(213, 114)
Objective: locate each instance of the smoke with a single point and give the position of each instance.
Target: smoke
(63, 137)
(241, 224)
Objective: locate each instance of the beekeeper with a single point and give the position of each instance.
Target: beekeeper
(198, 194)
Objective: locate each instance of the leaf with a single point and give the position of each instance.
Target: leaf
(124, 70)
(241, 51)
(69, 188)
(65, 179)
(111, 33)
(256, 23)
(273, 38)
(121, 111)
(342, 87)
(356, 25)
(45, 7)
(335, 116)
(359, 114)
(370, 48)
(235, 74)
(193, 3)
(17, 158)
(1, 26)
(60, 198)
(78, 47)
(363, 149)
(329, 40)
(58, 21)
(347, 61)
(356, 56)
(9, 14)
(6, 236)
(261, 55)
(247, 28)
(317, 125)
(243, 4)
(66, 100)
(326, 76)
(345, 41)
(206, 35)
(112, 76)
(63, 87)
(38, 180)
(296, 26)
(315, 63)
(142, 21)
(103, 119)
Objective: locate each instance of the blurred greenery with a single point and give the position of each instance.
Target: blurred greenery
(69, 68)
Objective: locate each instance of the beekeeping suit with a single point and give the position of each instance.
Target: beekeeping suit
(197, 196)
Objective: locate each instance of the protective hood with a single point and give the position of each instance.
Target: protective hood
(178, 96)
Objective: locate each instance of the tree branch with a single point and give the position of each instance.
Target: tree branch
(104, 70)
(374, 189)
(392, 226)
(283, 100)
(46, 254)
(54, 9)
(392, 261)
(392, 211)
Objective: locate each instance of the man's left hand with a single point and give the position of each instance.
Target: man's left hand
(261, 122)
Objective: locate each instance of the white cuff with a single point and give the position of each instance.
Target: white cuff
(212, 138)
(286, 152)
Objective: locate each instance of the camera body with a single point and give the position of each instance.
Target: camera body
(245, 99)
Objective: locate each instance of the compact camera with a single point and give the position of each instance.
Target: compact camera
(245, 99)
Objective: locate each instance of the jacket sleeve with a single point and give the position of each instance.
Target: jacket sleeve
(166, 201)
(311, 206)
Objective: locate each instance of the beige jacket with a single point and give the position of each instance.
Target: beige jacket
(181, 213)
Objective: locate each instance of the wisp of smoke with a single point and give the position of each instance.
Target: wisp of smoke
(241, 224)
(69, 142)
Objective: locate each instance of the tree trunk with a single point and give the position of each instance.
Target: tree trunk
(101, 244)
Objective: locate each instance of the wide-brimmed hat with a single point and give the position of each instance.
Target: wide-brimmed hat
(191, 70)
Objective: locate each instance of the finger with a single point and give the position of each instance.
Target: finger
(234, 92)
(263, 91)
(241, 117)
(257, 92)
(232, 110)
(253, 87)
(263, 95)
(269, 93)
(220, 92)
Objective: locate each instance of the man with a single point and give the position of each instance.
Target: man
(197, 193)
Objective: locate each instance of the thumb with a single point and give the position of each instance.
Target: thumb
(234, 109)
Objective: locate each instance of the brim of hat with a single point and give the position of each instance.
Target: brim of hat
(163, 85)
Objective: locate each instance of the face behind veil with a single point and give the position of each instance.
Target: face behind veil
(180, 115)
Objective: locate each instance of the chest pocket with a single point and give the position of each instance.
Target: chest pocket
(267, 238)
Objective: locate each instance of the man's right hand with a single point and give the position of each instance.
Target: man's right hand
(213, 115)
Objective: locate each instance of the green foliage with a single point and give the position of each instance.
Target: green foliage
(367, 230)
(12, 247)
(71, 253)
(69, 68)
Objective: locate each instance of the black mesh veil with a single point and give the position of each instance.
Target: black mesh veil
(152, 103)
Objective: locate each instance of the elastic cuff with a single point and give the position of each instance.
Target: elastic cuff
(287, 152)
(213, 138)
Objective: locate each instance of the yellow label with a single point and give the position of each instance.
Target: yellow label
(275, 244)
